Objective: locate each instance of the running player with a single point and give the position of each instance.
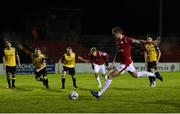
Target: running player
(152, 55)
(39, 61)
(68, 60)
(99, 61)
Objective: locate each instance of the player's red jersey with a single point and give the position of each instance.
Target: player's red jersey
(124, 49)
(100, 58)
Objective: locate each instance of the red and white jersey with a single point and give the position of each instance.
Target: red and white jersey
(124, 49)
(100, 58)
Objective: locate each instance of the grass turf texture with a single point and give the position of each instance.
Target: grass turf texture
(125, 94)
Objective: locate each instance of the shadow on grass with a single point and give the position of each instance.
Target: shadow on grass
(126, 89)
(85, 89)
(36, 89)
(22, 89)
(163, 87)
(54, 90)
(173, 103)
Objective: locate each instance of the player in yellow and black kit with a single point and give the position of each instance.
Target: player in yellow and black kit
(152, 55)
(39, 61)
(10, 56)
(69, 60)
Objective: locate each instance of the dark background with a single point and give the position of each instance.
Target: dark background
(137, 17)
(82, 24)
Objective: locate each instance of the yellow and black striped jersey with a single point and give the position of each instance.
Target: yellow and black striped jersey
(10, 56)
(38, 61)
(69, 60)
(152, 51)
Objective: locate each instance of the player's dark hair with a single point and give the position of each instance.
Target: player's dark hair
(151, 36)
(117, 30)
(6, 42)
(36, 49)
(68, 48)
(93, 49)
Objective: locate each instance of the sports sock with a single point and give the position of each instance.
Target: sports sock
(46, 81)
(151, 79)
(9, 81)
(74, 82)
(107, 84)
(13, 82)
(43, 81)
(145, 74)
(63, 83)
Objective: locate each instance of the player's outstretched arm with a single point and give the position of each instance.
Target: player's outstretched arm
(4, 62)
(155, 42)
(59, 63)
(84, 60)
(18, 60)
(159, 56)
(139, 41)
(145, 58)
(60, 60)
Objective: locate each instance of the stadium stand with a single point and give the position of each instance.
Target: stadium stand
(56, 43)
(170, 52)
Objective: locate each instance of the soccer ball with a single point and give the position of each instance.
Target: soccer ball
(73, 95)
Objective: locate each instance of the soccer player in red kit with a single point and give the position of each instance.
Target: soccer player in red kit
(99, 61)
(124, 45)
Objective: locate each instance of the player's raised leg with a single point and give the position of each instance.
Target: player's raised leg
(139, 74)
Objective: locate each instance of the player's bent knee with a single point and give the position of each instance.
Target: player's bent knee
(8, 74)
(134, 74)
(45, 77)
(114, 74)
(38, 78)
(152, 70)
(63, 76)
(110, 78)
(74, 76)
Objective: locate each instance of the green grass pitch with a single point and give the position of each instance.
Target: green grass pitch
(125, 95)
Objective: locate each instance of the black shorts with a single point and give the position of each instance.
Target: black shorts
(151, 65)
(70, 71)
(10, 69)
(42, 72)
